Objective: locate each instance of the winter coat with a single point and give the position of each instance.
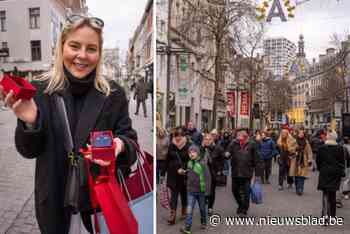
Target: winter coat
(45, 143)
(244, 160)
(176, 159)
(287, 154)
(141, 91)
(301, 168)
(330, 162)
(198, 177)
(162, 147)
(195, 135)
(267, 149)
(215, 160)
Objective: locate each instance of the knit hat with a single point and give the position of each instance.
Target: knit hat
(193, 147)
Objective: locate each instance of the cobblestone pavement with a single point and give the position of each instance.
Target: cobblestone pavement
(17, 174)
(276, 203)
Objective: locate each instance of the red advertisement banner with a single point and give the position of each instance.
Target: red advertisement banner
(244, 103)
(231, 101)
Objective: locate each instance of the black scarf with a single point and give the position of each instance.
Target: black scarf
(80, 86)
(300, 150)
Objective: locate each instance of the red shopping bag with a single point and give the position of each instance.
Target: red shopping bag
(164, 197)
(135, 182)
(115, 209)
(106, 193)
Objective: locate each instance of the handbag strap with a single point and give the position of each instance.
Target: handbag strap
(68, 140)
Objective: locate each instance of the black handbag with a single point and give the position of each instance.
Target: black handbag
(72, 187)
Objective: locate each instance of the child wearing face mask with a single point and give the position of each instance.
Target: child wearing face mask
(198, 186)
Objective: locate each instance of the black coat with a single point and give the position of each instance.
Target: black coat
(176, 159)
(330, 162)
(45, 144)
(244, 160)
(216, 160)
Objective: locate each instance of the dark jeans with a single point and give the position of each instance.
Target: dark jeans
(211, 198)
(299, 183)
(143, 106)
(241, 192)
(160, 165)
(192, 198)
(267, 169)
(329, 203)
(283, 173)
(174, 195)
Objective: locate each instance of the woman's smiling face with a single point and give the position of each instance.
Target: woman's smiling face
(81, 51)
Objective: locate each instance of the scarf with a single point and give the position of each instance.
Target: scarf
(80, 86)
(300, 150)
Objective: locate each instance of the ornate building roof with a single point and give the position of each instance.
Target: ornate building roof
(299, 65)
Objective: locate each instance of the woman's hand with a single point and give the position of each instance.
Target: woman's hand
(181, 171)
(118, 149)
(25, 110)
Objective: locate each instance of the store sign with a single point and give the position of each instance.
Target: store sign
(183, 63)
(231, 100)
(183, 96)
(244, 104)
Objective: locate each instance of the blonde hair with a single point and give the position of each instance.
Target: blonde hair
(56, 78)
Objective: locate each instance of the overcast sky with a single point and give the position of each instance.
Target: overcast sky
(121, 18)
(317, 20)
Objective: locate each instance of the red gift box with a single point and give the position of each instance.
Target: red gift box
(21, 88)
(104, 153)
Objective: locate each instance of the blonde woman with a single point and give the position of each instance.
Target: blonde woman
(287, 145)
(92, 105)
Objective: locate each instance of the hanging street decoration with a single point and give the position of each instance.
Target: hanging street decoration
(267, 11)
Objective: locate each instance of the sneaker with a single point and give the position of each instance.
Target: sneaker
(280, 187)
(186, 230)
(203, 226)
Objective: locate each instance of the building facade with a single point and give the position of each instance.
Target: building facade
(140, 54)
(280, 52)
(30, 30)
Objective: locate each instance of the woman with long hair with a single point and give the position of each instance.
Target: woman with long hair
(299, 165)
(92, 104)
(175, 169)
(287, 145)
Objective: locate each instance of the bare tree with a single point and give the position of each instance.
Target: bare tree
(279, 95)
(212, 22)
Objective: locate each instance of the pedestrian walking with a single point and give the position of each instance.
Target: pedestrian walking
(198, 187)
(287, 145)
(194, 134)
(213, 155)
(300, 162)
(330, 162)
(347, 149)
(175, 165)
(244, 161)
(268, 150)
(162, 146)
(140, 96)
(317, 140)
(92, 103)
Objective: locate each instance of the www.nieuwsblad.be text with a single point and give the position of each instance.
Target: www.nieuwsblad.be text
(216, 220)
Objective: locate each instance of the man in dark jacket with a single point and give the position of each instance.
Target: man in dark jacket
(267, 151)
(194, 134)
(317, 140)
(244, 161)
(141, 96)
